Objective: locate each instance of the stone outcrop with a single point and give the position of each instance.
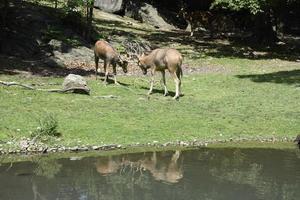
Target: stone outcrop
(111, 6)
(147, 13)
(76, 84)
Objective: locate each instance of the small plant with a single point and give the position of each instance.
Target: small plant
(47, 127)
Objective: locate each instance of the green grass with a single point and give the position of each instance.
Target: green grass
(249, 97)
(218, 106)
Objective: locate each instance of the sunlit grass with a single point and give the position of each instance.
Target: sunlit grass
(213, 106)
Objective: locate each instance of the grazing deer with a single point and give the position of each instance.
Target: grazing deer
(196, 19)
(103, 50)
(210, 21)
(160, 60)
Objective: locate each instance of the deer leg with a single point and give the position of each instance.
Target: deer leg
(96, 65)
(192, 30)
(115, 74)
(151, 82)
(105, 71)
(164, 83)
(177, 84)
(175, 156)
(179, 75)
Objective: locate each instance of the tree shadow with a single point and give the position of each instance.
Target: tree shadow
(282, 77)
(24, 43)
(17, 66)
(235, 47)
(249, 49)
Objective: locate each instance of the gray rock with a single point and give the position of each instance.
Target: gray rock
(147, 13)
(55, 44)
(150, 15)
(64, 54)
(76, 83)
(23, 144)
(111, 6)
(74, 148)
(83, 149)
(95, 147)
(54, 62)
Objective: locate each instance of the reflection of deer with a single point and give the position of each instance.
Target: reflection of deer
(161, 168)
(36, 194)
(108, 165)
(164, 170)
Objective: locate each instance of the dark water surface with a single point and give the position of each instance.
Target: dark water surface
(194, 174)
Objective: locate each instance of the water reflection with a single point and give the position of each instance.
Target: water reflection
(200, 174)
(163, 166)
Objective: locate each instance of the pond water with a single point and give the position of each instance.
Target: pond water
(221, 173)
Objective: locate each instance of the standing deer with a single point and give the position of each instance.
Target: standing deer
(208, 21)
(110, 56)
(160, 60)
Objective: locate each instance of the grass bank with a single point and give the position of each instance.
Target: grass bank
(232, 91)
(214, 106)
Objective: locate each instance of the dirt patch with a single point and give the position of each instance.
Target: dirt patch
(209, 69)
(47, 67)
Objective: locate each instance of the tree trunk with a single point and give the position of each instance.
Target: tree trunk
(90, 9)
(4, 13)
(263, 29)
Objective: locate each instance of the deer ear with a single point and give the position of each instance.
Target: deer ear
(141, 56)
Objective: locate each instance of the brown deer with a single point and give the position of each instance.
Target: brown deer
(208, 21)
(160, 60)
(198, 19)
(103, 50)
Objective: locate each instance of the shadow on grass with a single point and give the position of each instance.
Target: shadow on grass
(236, 46)
(27, 18)
(117, 26)
(161, 91)
(283, 77)
(110, 81)
(18, 66)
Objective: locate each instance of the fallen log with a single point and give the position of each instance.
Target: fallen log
(17, 84)
(71, 89)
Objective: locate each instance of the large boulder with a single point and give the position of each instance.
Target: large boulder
(147, 13)
(76, 84)
(66, 55)
(111, 6)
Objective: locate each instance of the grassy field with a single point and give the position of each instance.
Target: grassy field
(214, 105)
(231, 94)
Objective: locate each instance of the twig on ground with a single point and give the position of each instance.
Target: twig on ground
(45, 90)
(107, 97)
(17, 84)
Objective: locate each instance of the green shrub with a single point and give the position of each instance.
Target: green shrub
(47, 127)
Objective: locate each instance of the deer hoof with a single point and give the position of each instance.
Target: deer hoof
(176, 98)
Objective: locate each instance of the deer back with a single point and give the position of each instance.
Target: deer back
(105, 51)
